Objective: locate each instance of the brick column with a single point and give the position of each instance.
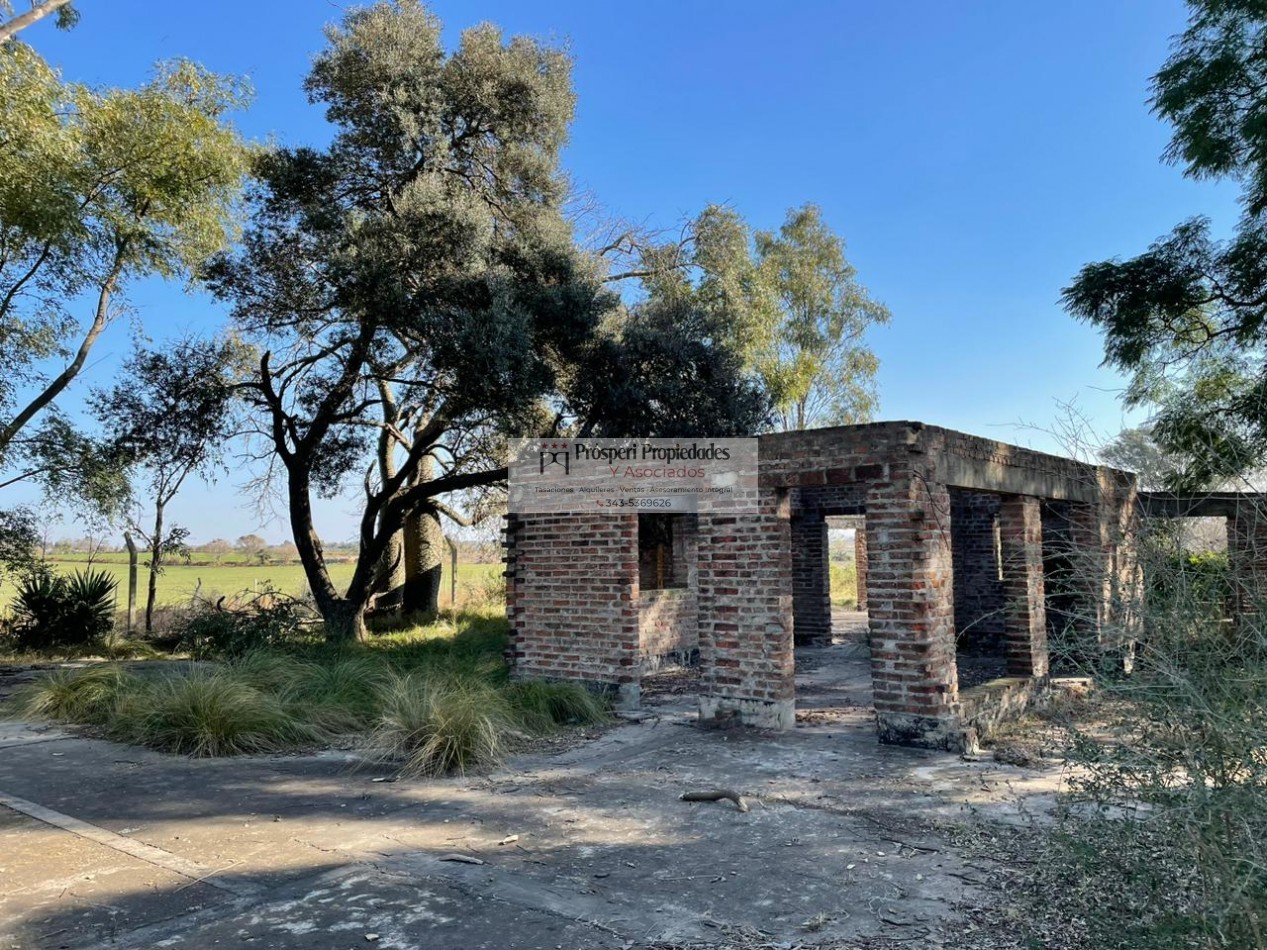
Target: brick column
(910, 600)
(1247, 557)
(860, 563)
(1025, 630)
(745, 616)
(811, 580)
(979, 597)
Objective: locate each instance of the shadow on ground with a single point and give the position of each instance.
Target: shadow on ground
(845, 842)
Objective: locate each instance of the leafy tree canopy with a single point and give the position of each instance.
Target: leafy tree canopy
(98, 188)
(788, 302)
(1186, 318)
(416, 289)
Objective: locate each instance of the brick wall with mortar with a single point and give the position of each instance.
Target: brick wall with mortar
(979, 599)
(811, 580)
(745, 615)
(668, 620)
(860, 562)
(902, 473)
(1025, 630)
(572, 599)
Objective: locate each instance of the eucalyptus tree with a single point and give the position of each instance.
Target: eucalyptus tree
(788, 301)
(98, 189)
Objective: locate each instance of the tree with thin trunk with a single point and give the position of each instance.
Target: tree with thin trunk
(167, 419)
(98, 189)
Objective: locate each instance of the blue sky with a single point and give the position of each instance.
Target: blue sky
(973, 156)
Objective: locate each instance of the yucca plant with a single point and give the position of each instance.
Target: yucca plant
(51, 610)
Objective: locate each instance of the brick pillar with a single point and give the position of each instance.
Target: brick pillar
(1025, 630)
(745, 616)
(910, 601)
(979, 597)
(1247, 557)
(860, 563)
(811, 580)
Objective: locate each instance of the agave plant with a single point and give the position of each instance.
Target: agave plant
(51, 610)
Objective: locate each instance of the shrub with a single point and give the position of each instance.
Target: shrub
(200, 713)
(1176, 852)
(52, 610)
(341, 692)
(86, 695)
(487, 591)
(543, 706)
(268, 620)
(434, 725)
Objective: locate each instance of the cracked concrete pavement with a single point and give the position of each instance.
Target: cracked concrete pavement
(105, 845)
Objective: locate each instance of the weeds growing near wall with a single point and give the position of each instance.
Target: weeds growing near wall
(1164, 839)
(432, 699)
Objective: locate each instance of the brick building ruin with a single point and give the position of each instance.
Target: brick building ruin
(971, 555)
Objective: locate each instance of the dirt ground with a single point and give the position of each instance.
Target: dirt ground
(845, 843)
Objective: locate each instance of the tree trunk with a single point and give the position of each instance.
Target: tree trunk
(389, 576)
(344, 616)
(156, 554)
(424, 554)
(127, 538)
(344, 620)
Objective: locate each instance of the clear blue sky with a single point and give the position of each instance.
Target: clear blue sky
(974, 156)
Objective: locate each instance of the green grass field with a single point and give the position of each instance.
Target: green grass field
(178, 582)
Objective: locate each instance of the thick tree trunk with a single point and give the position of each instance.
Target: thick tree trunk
(344, 616)
(344, 620)
(424, 554)
(389, 576)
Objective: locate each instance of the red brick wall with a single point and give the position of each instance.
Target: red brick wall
(572, 599)
(860, 563)
(745, 614)
(811, 580)
(576, 610)
(1021, 528)
(979, 600)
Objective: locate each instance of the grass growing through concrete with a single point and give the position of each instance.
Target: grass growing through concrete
(433, 697)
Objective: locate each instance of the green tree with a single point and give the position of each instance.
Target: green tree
(415, 288)
(817, 367)
(98, 189)
(1136, 450)
(787, 301)
(1187, 319)
(67, 16)
(167, 419)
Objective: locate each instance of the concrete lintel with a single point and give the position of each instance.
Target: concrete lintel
(1162, 504)
(759, 713)
(959, 472)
